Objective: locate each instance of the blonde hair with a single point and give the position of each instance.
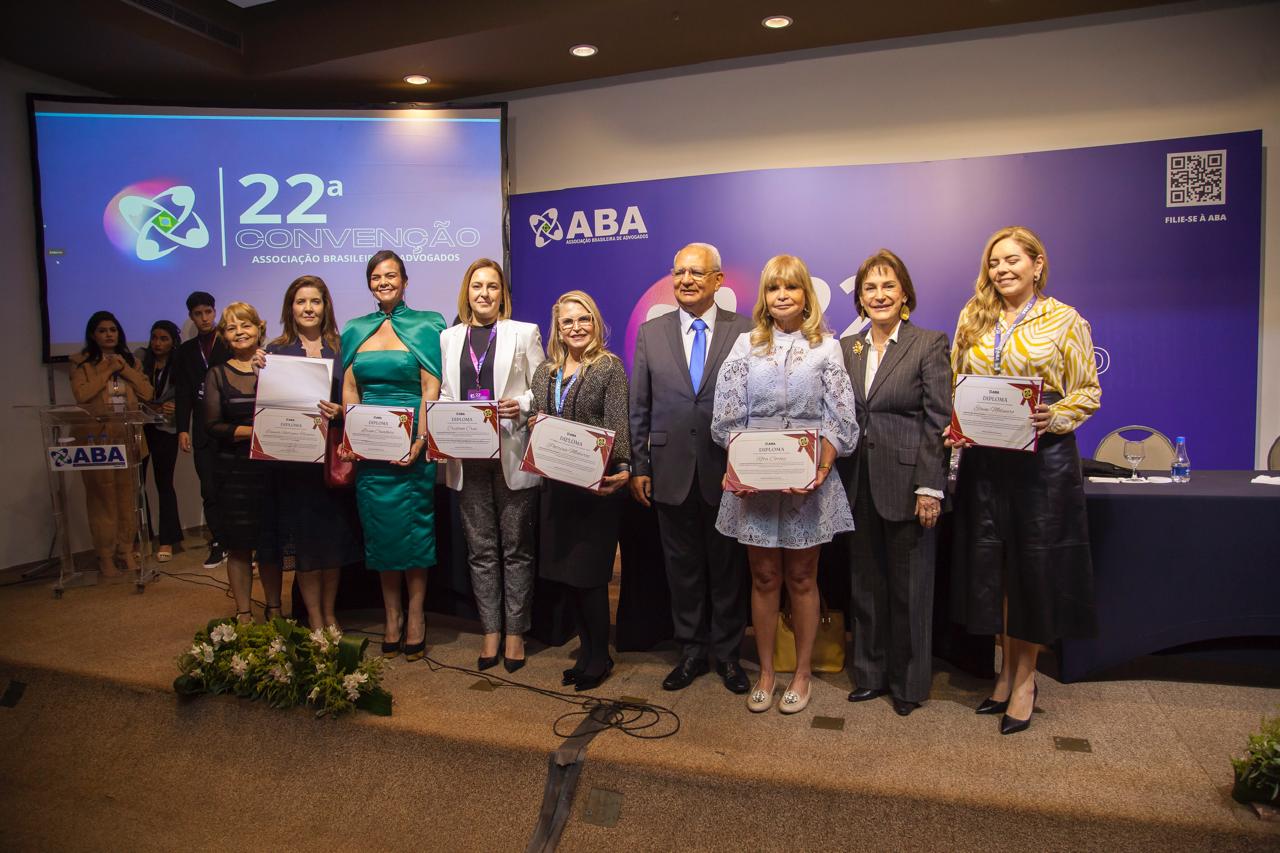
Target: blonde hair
(557, 352)
(787, 269)
(980, 313)
(242, 311)
(464, 303)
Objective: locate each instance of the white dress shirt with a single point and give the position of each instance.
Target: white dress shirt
(687, 331)
(873, 364)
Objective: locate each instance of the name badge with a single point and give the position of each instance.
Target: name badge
(479, 394)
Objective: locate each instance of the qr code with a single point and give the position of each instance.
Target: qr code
(1195, 178)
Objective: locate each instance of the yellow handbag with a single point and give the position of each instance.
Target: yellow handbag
(828, 646)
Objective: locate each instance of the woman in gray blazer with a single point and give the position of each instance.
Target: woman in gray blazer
(902, 383)
(488, 356)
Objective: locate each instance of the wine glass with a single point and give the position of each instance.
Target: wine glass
(1134, 453)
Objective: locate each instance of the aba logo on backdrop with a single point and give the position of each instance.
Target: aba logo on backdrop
(150, 219)
(601, 225)
(92, 456)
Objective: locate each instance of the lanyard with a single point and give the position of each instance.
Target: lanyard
(561, 397)
(478, 363)
(998, 352)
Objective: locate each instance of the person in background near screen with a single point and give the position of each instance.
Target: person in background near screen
(489, 356)
(680, 469)
(230, 390)
(902, 383)
(157, 359)
(194, 359)
(582, 381)
(786, 373)
(105, 380)
(299, 512)
(1021, 564)
(391, 357)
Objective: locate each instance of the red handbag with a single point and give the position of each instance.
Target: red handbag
(338, 472)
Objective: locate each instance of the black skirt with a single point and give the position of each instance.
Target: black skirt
(304, 517)
(240, 485)
(1021, 530)
(578, 535)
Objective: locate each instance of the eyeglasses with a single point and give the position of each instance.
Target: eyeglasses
(693, 272)
(581, 322)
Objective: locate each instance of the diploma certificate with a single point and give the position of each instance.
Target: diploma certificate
(995, 411)
(567, 451)
(378, 432)
(464, 430)
(287, 435)
(767, 460)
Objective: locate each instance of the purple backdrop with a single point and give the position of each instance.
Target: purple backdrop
(1156, 243)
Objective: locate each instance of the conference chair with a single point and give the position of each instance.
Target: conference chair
(1159, 450)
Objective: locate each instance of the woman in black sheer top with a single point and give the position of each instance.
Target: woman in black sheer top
(229, 396)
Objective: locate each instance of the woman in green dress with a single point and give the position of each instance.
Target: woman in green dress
(392, 358)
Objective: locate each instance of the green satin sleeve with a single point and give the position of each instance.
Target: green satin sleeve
(419, 331)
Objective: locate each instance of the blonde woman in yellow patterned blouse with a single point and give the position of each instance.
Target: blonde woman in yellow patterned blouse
(1021, 565)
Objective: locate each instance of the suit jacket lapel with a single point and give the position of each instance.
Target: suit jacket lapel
(677, 349)
(892, 356)
(719, 348)
(858, 361)
(503, 351)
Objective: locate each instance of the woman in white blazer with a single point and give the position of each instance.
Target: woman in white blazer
(487, 356)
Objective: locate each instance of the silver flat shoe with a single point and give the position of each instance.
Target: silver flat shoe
(758, 700)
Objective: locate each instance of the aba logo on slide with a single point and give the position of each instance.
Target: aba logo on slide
(546, 227)
(150, 219)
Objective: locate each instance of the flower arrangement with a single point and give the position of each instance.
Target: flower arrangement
(284, 665)
(1258, 772)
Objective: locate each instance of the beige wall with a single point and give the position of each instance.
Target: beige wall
(1103, 81)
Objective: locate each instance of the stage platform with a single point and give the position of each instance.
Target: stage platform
(97, 753)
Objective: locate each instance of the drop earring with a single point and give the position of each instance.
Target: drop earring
(905, 312)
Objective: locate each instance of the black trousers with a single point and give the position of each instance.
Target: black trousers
(206, 459)
(163, 458)
(891, 577)
(591, 616)
(707, 575)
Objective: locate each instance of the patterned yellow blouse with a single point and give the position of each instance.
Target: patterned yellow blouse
(1053, 342)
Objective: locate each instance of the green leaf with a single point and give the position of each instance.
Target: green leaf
(377, 702)
(350, 652)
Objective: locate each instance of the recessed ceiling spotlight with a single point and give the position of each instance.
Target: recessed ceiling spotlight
(417, 79)
(777, 22)
(582, 51)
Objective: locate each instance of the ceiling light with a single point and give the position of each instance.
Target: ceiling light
(417, 79)
(582, 51)
(777, 22)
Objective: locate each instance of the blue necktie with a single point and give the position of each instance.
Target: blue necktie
(698, 355)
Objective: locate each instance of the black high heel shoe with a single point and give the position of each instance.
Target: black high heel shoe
(991, 706)
(512, 664)
(483, 663)
(570, 676)
(1011, 725)
(392, 649)
(591, 682)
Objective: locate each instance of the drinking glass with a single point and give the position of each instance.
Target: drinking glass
(1134, 453)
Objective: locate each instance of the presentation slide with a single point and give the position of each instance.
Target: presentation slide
(139, 206)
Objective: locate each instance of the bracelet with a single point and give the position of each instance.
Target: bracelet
(824, 467)
(422, 437)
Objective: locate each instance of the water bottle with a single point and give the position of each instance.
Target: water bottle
(1180, 471)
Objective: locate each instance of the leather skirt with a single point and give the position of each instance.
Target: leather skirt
(1021, 530)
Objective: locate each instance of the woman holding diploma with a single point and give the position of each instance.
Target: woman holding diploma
(230, 391)
(298, 509)
(786, 373)
(490, 357)
(105, 379)
(1021, 562)
(582, 381)
(392, 358)
(902, 382)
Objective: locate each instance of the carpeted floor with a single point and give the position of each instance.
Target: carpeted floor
(98, 754)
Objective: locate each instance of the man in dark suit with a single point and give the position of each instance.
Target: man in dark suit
(901, 380)
(195, 357)
(678, 468)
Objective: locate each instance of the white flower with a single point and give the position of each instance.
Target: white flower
(196, 673)
(203, 651)
(224, 633)
(315, 692)
(318, 637)
(239, 665)
(277, 646)
(334, 632)
(282, 674)
(319, 666)
(351, 683)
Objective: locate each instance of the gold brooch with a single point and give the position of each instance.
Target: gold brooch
(857, 347)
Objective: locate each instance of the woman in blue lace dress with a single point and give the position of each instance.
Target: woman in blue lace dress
(786, 373)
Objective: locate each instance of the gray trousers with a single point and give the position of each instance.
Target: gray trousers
(892, 585)
(499, 526)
